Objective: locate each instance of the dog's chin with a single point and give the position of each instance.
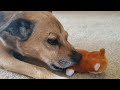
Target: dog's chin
(55, 67)
(58, 67)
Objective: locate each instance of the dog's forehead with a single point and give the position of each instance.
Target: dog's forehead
(51, 24)
(45, 22)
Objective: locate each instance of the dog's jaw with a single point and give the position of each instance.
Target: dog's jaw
(46, 21)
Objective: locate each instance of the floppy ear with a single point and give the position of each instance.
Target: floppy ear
(5, 17)
(20, 28)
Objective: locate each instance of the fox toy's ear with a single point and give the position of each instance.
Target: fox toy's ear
(102, 51)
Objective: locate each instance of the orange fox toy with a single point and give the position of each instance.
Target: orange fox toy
(95, 61)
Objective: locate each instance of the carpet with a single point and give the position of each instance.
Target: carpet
(89, 30)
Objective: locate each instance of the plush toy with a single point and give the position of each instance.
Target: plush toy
(93, 62)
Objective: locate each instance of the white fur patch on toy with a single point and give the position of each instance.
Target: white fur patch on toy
(97, 66)
(70, 72)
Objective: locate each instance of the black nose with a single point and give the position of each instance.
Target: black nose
(75, 56)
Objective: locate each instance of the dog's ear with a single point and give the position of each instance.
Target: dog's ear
(21, 28)
(5, 17)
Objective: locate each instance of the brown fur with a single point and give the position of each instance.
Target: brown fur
(40, 35)
(46, 26)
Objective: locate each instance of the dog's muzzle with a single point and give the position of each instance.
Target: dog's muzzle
(75, 58)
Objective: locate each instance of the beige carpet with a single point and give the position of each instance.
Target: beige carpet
(90, 31)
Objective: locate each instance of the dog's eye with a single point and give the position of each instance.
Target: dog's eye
(53, 41)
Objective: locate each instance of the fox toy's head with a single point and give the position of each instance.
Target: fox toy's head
(94, 61)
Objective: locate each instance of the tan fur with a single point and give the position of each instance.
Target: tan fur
(42, 31)
(46, 26)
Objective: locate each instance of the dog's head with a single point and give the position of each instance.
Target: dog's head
(41, 35)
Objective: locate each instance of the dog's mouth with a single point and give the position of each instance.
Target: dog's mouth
(57, 68)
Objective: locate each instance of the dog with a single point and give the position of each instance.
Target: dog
(36, 34)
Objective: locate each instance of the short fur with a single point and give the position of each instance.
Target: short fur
(92, 62)
(27, 33)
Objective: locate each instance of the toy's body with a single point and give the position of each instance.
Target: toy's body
(91, 62)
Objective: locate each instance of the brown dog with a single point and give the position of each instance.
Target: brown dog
(34, 34)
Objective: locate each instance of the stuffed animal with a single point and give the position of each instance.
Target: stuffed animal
(93, 62)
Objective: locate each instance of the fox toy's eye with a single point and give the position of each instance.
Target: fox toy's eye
(53, 41)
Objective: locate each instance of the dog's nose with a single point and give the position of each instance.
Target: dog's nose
(75, 56)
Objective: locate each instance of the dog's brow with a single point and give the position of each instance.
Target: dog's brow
(58, 24)
(53, 35)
